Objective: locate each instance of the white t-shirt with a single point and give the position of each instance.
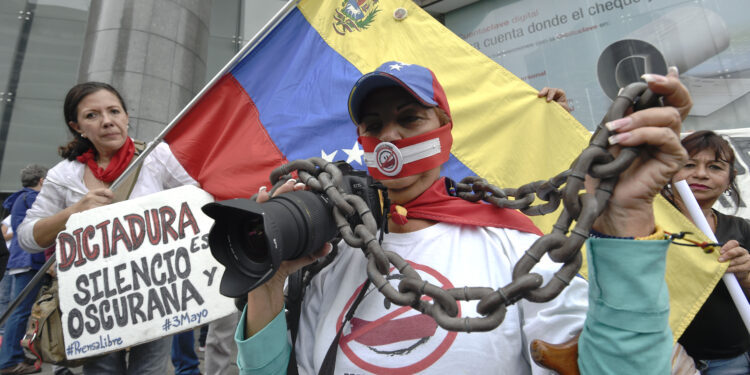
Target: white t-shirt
(398, 340)
(9, 229)
(13, 271)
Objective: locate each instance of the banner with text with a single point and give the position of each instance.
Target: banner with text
(135, 271)
(593, 48)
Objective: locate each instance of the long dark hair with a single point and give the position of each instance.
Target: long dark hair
(708, 140)
(80, 145)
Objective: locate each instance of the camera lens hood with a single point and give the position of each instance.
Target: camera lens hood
(228, 245)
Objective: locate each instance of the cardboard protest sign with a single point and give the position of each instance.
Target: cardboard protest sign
(138, 270)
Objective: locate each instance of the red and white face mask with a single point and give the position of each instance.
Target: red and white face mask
(409, 156)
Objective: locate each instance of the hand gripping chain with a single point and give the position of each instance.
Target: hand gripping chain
(583, 208)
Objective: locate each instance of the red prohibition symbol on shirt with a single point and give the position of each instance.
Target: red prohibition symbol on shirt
(383, 333)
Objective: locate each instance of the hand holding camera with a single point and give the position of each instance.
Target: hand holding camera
(266, 301)
(290, 266)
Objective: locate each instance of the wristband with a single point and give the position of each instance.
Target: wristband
(596, 234)
(657, 235)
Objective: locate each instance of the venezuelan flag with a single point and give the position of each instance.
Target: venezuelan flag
(286, 100)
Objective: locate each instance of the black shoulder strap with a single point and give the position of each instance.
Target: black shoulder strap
(329, 362)
(295, 293)
(122, 193)
(139, 146)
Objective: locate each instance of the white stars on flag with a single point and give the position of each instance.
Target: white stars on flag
(353, 154)
(328, 157)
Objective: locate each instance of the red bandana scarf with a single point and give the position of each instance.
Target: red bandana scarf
(120, 160)
(437, 204)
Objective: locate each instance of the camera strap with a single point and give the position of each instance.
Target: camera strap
(297, 283)
(384, 211)
(294, 306)
(329, 362)
(299, 280)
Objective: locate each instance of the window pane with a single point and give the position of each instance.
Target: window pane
(45, 67)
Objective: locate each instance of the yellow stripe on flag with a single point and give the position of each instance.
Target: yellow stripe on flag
(502, 131)
(494, 113)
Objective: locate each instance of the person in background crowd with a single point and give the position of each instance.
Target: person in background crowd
(96, 116)
(22, 266)
(717, 339)
(404, 105)
(219, 344)
(184, 358)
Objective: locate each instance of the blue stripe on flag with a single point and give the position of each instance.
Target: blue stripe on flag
(300, 86)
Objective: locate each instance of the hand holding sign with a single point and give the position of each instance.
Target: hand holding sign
(93, 199)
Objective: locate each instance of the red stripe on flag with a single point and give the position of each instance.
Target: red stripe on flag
(222, 143)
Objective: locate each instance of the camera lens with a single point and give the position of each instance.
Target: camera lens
(252, 239)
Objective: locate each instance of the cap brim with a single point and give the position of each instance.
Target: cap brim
(373, 81)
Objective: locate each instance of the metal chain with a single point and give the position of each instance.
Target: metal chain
(583, 208)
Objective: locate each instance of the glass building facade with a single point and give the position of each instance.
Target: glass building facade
(46, 47)
(40, 50)
(160, 53)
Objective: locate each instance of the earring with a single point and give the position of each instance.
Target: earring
(83, 135)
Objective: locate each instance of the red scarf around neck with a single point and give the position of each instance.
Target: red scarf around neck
(120, 160)
(436, 204)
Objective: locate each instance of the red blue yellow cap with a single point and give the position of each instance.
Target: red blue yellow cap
(417, 80)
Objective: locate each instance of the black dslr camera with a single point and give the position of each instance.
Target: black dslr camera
(252, 239)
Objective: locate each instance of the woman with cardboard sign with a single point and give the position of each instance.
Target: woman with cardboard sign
(96, 116)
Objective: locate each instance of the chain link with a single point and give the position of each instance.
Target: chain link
(442, 305)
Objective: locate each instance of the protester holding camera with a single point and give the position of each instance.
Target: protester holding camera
(455, 243)
(101, 149)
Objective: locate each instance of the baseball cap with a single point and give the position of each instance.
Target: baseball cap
(415, 79)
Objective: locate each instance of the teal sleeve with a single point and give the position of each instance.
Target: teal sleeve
(627, 325)
(266, 352)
